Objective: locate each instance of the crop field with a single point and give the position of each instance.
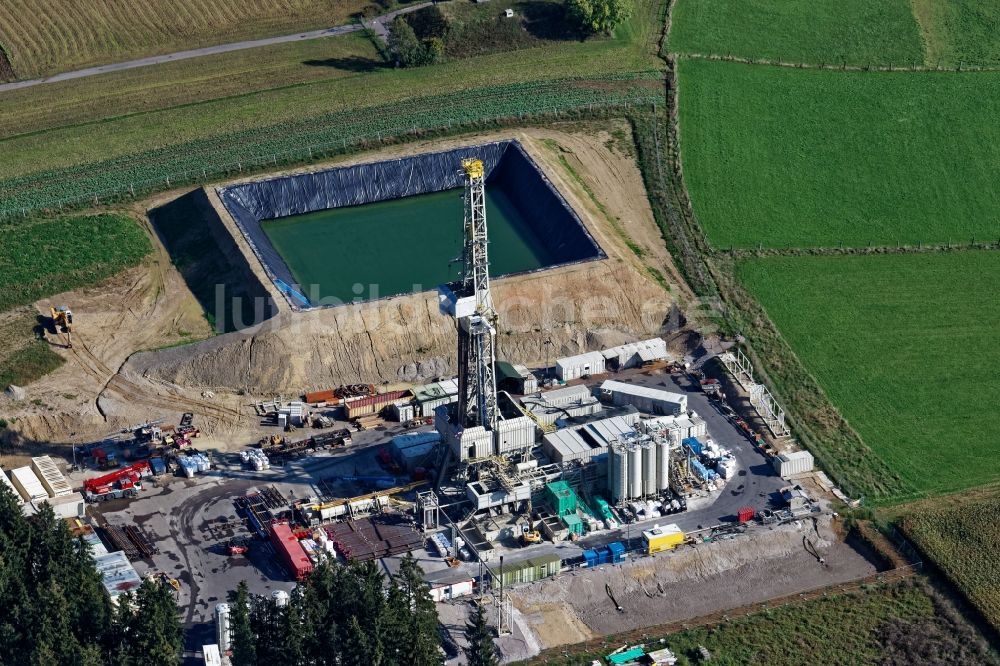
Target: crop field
(906, 346)
(47, 36)
(631, 50)
(784, 157)
(960, 32)
(184, 82)
(298, 140)
(858, 32)
(962, 540)
(44, 257)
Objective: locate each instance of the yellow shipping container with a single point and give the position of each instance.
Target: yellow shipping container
(662, 538)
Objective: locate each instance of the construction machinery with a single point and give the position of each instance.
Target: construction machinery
(119, 483)
(62, 321)
(530, 536)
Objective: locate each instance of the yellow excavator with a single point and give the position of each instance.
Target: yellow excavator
(62, 318)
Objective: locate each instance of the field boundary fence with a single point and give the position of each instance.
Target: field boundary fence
(317, 151)
(840, 66)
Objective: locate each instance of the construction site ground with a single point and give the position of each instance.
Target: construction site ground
(687, 583)
(112, 379)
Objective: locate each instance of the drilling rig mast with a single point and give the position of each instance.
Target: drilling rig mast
(477, 388)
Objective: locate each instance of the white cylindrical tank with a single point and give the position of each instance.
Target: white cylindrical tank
(662, 465)
(648, 468)
(634, 471)
(223, 631)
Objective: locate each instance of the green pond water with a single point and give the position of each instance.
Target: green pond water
(398, 246)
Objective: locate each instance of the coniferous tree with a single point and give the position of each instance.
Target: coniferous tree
(243, 641)
(156, 634)
(422, 622)
(482, 651)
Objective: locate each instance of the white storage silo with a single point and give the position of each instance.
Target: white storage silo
(648, 449)
(618, 473)
(663, 465)
(634, 470)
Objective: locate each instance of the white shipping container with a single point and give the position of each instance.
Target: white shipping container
(52, 479)
(28, 484)
(797, 462)
(574, 367)
(5, 481)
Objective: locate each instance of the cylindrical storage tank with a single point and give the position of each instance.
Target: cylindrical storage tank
(662, 465)
(223, 631)
(648, 468)
(634, 471)
(617, 474)
(280, 598)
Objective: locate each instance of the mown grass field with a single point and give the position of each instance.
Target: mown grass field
(43, 37)
(23, 356)
(184, 82)
(962, 540)
(858, 32)
(798, 158)
(960, 31)
(45, 257)
(897, 623)
(906, 346)
(632, 49)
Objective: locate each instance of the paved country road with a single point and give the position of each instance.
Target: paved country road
(377, 25)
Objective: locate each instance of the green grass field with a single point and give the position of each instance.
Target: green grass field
(45, 257)
(896, 623)
(632, 49)
(960, 31)
(858, 32)
(795, 158)
(906, 346)
(962, 540)
(47, 36)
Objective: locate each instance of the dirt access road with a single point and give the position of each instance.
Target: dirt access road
(378, 25)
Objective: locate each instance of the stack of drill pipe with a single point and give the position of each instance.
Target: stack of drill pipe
(121, 541)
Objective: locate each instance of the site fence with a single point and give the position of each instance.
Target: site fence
(307, 141)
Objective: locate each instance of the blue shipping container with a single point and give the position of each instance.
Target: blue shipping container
(603, 556)
(159, 467)
(617, 550)
(693, 444)
(591, 557)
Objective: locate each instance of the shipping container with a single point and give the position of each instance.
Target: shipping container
(590, 557)
(373, 404)
(617, 550)
(4, 480)
(52, 479)
(660, 538)
(745, 514)
(574, 367)
(790, 464)
(560, 497)
(527, 571)
(28, 484)
(290, 551)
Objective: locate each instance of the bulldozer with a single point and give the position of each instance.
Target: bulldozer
(62, 319)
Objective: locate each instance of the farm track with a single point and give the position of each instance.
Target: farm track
(113, 382)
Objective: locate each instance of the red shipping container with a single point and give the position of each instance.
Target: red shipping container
(745, 514)
(290, 551)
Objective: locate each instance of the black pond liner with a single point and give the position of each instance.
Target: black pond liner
(506, 163)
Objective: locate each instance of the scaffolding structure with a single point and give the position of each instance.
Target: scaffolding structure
(761, 399)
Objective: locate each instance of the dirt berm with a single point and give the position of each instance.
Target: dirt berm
(579, 307)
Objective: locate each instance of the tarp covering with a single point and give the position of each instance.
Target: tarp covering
(505, 162)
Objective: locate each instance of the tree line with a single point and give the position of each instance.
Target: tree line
(54, 608)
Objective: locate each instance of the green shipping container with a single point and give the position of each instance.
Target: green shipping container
(574, 524)
(527, 571)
